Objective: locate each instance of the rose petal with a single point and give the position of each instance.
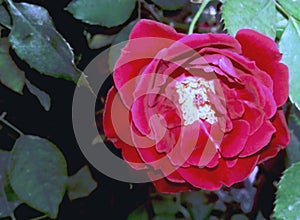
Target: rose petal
(203, 150)
(175, 177)
(235, 108)
(270, 104)
(141, 117)
(207, 179)
(231, 163)
(146, 82)
(165, 186)
(258, 139)
(264, 51)
(239, 172)
(243, 65)
(129, 152)
(135, 56)
(165, 140)
(125, 83)
(282, 135)
(254, 116)
(214, 162)
(224, 63)
(234, 142)
(131, 156)
(198, 41)
(146, 149)
(186, 141)
(116, 120)
(258, 47)
(280, 75)
(252, 91)
(279, 140)
(149, 28)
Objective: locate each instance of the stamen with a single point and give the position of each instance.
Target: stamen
(193, 98)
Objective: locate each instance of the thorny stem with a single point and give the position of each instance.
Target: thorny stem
(197, 16)
(2, 118)
(281, 9)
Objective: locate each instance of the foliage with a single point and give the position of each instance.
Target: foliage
(288, 195)
(102, 12)
(289, 45)
(248, 11)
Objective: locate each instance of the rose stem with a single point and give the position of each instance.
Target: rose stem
(197, 16)
(2, 118)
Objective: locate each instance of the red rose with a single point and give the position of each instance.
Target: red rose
(199, 110)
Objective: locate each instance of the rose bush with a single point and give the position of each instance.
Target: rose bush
(199, 110)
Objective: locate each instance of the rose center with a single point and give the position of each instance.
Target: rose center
(194, 101)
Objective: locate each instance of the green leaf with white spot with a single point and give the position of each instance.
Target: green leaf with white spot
(287, 204)
(37, 172)
(10, 75)
(291, 6)
(81, 184)
(170, 5)
(8, 199)
(4, 17)
(289, 46)
(259, 15)
(35, 40)
(102, 12)
(42, 97)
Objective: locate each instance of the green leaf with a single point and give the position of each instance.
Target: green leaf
(4, 17)
(197, 204)
(239, 217)
(169, 5)
(140, 214)
(115, 51)
(10, 74)
(37, 172)
(167, 217)
(165, 204)
(260, 216)
(36, 41)
(8, 200)
(102, 12)
(257, 15)
(293, 149)
(42, 97)
(281, 24)
(292, 7)
(289, 46)
(287, 204)
(81, 184)
(99, 40)
(296, 119)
